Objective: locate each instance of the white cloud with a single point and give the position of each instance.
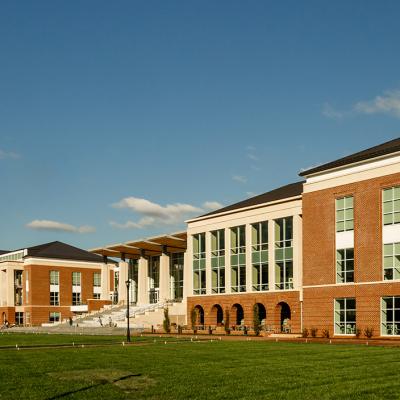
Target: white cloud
(239, 178)
(8, 154)
(55, 226)
(212, 205)
(388, 103)
(330, 112)
(154, 214)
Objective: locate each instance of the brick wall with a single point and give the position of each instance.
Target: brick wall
(319, 258)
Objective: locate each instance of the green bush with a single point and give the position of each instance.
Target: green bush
(305, 333)
(369, 332)
(166, 322)
(256, 320)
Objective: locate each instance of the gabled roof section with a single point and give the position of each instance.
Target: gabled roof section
(281, 193)
(393, 146)
(60, 250)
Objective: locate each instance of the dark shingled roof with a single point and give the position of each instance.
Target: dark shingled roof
(383, 149)
(60, 250)
(284, 192)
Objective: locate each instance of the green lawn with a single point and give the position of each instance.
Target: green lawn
(205, 370)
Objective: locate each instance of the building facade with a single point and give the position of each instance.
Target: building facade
(49, 283)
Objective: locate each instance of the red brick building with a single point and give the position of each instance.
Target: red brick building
(51, 282)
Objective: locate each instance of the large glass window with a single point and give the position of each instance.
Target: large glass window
(199, 263)
(76, 279)
(391, 205)
(345, 214)
(176, 276)
(76, 299)
(345, 265)
(54, 317)
(238, 259)
(259, 256)
(96, 279)
(390, 315)
(284, 253)
(345, 316)
(54, 298)
(391, 261)
(218, 261)
(54, 277)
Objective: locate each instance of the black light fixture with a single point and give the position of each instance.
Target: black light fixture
(128, 331)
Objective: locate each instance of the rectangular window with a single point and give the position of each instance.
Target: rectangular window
(96, 296)
(54, 317)
(218, 261)
(19, 318)
(54, 277)
(199, 263)
(176, 276)
(259, 256)
(238, 259)
(54, 298)
(391, 205)
(96, 279)
(76, 279)
(345, 214)
(284, 253)
(76, 299)
(345, 316)
(345, 265)
(391, 261)
(390, 315)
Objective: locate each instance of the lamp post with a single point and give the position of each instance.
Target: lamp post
(128, 331)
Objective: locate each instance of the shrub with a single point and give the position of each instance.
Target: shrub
(314, 332)
(358, 332)
(227, 330)
(166, 322)
(325, 333)
(256, 320)
(193, 319)
(305, 333)
(368, 332)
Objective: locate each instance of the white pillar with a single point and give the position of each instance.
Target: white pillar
(249, 275)
(10, 287)
(187, 271)
(208, 263)
(271, 254)
(123, 277)
(143, 290)
(297, 252)
(227, 260)
(164, 277)
(105, 282)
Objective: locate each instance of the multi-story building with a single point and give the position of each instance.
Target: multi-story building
(51, 282)
(351, 243)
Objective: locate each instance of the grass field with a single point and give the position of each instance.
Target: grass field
(191, 370)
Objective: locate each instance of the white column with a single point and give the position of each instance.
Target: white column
(10, 287)
(297, 252)
(249, 277)
(187, 271)
(123, 277)
(227, 260)
(143, 290)
(271, 254)
(164, 276)
(105, 282)
(208, 263)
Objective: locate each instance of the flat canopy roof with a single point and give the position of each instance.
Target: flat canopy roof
(153, 246)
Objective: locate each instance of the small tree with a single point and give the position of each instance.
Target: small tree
(166, 322)
(256, 319)
(314, 332)
(193, 319)
(305, 333)
(369, 332)
(227, 329)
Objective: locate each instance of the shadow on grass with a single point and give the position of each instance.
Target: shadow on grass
(101, 383)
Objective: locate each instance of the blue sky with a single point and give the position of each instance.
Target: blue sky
(119, 120)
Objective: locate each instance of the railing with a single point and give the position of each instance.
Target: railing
(141, 310)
